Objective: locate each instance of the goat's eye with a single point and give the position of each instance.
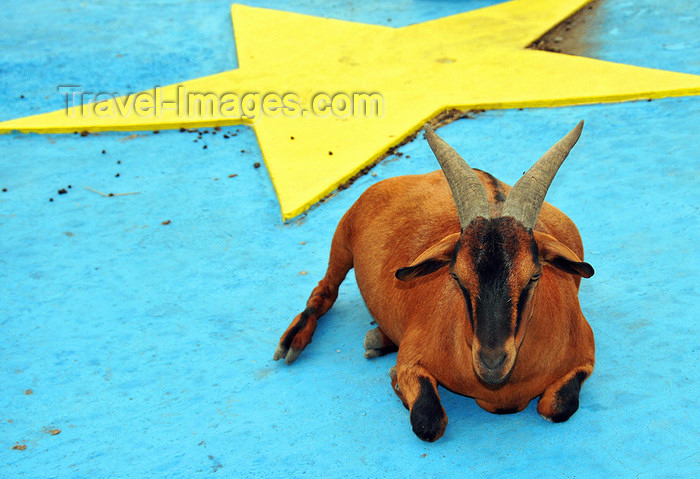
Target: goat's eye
(535, 278)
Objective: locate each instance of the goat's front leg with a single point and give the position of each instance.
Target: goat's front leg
(417, 389)
(560, 400)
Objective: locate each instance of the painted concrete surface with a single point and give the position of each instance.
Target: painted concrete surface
(149, 345)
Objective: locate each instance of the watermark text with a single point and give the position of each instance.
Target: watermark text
(250, 106)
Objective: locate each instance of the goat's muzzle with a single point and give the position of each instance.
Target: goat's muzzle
(493, 365)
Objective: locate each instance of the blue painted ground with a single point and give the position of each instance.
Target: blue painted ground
(149, 346)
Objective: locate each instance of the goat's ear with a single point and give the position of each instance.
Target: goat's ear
(431, 260)
(560, 256)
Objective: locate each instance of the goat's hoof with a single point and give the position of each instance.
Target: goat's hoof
(374, 339)
(297, 336)
(289, 354)
(396, 388)
(394, 381)
(377, 344)
(374, 342)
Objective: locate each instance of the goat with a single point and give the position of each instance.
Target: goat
(474, 283)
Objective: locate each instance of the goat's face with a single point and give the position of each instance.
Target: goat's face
(496, 265)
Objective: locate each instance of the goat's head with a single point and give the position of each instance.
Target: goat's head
(497, 261)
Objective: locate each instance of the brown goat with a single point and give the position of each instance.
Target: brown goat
(474, 282)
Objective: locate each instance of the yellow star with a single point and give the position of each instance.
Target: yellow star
(473, 60)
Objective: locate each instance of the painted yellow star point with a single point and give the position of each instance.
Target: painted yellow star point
(473, 60)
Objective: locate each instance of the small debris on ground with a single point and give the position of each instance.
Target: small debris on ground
(256, 164)
(130, 137)
(166, 222)
(111, 194)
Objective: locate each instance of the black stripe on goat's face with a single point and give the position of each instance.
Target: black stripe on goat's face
(497, 267)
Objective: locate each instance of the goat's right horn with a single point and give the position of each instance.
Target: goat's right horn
(467, 190)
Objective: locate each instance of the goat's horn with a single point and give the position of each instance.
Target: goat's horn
(468, 192)
(527, 196)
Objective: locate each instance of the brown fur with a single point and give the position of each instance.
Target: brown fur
(403, 221)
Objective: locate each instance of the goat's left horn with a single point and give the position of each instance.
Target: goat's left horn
(467, 190)
(527, 196)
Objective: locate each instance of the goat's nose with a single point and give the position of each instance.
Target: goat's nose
(492, 358)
